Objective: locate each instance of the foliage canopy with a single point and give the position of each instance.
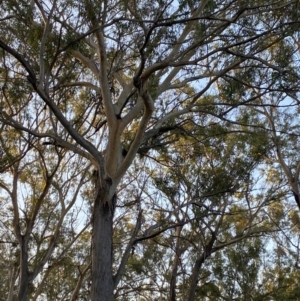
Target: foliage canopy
(149, 150)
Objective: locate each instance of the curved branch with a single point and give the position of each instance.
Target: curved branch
(148, 109)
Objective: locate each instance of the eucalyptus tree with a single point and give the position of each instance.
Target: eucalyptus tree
(262, 268)
(121, 78)
(199, 203)
(40, 213)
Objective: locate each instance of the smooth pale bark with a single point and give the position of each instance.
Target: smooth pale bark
(13, 272)
(75, 293)
(291, 177)
(102, 275)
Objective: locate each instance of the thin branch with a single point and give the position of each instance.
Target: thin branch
(126, 254)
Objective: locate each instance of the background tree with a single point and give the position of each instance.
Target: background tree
(42, 212)
(115, 82)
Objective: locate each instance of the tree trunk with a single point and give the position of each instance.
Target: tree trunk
(102, 275)
(12, 278)
(24, 273)
(198, 265)
(178, 252)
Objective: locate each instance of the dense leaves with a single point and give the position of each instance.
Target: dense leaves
(149, 150)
